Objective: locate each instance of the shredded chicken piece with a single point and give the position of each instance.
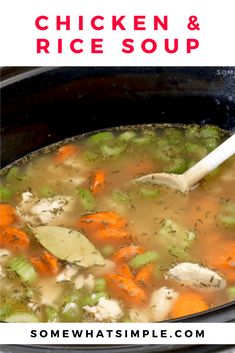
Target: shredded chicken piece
(105, 310)
(196, 276)
(161, 303)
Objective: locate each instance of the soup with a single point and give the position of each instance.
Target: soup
(81, 241)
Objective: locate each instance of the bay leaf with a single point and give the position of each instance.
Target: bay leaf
(68, 244)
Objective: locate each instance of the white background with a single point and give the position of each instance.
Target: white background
(216, 36)
(215, 333)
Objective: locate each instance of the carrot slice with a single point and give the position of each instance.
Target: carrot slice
(110, 235)
(144, 275)
(126, 253)
(126, 289)
(222, 257)
(51, 261)
(124, 270)
(47, 265)
(65, 152)
(7, 214)
(188, 303)
(100, 220)
(98, 182)
(13, 238)
(39, 265)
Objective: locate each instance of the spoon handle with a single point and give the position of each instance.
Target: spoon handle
(206, 165)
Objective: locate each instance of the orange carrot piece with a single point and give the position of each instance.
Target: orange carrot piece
(144, 275)
(126, 253)
(7, 215)
(110, 235)
(51, 261)
(47, 265)
(13, 238)
(100, 220)
(65, 152)
(124, 270)
(39, 265)
(222, 257)
(126, 289)
(98, 182)
(188, 303)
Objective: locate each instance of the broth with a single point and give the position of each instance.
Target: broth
(80, 241)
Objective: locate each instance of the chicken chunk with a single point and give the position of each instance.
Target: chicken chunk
(2, 272)
(161, 303)
(67, 273)
(105, 310)
(4, 254)
(52, 210)
(86, 282)
(196, 276)
(28, 199)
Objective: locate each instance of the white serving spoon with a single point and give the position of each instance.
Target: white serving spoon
(189, 179)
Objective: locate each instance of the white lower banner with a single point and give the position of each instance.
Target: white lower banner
(117, 333)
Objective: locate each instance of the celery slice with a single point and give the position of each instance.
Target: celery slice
(140, 260)
(22, 317)
(86, 198)
(5, 193)
(23, 268)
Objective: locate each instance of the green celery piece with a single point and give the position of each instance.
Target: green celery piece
(172, 233)
(5, 310)
(231, 293)
(101, 137)
(228, 221)
(21, 317)
(5, 193)
(51, 313)
(149, 193)
(211, 143)
(92, 299)
(227, 216)
(107, 250)
(73, 297)
(178, 166)
(114, 151)
(193, 131)
(145, 139)
(178, 252)
(15, 174)
(100, 285)
(174, 133)
(90, 156)
(71, 312)
(86, 198)
(46, 191)
(195, 150)
(127, 136)
(208, 131)
(23, 268)
(120, 196)
(140, 260)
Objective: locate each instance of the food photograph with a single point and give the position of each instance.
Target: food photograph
(117, 198)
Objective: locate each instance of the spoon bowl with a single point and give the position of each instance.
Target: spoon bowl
(190, 179)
